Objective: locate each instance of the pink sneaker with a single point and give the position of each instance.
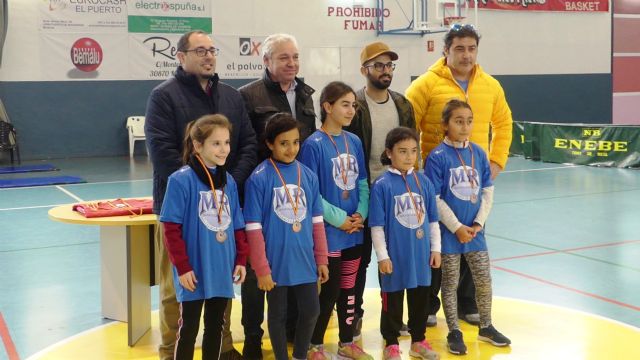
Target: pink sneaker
(353, 351)
(391, 352)
(316, 352)
(423, 350)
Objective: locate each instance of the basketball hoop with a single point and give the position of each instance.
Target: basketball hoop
(450, 20)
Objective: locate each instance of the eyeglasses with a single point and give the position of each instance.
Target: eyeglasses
(459, 27)
(381, 66)
(202, 52)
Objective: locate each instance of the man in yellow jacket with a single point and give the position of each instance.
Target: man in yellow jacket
(457, 76)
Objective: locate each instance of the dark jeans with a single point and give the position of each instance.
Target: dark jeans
(190, 312)
(252, 308)
(466, 291)
(306, 296)
(339, 289)
(361, 278)
(392, 310)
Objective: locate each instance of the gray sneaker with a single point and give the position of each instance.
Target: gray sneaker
(473, 319)
(357, 327)
(404, 330)
(432, 321)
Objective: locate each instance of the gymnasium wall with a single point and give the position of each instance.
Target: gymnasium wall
(626, 62)
(555, 67)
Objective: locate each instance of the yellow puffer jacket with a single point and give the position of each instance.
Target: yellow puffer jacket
(432, 90)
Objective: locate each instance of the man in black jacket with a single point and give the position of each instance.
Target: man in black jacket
(279, 90)
(192, 92)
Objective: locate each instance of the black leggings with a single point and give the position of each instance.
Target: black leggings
(340, 289)
(189, 323)
(391, 314)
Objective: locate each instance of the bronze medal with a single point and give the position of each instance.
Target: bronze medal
(297, 226)
(345, 194)
(420, 233)
(221, 236)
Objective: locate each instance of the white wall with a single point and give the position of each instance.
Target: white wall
(513, 42)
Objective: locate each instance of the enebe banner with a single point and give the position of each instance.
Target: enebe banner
(601, 145)
(544, 5)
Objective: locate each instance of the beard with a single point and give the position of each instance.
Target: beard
(380, 83)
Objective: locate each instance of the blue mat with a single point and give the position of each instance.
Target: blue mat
(40, 181)
(27, 168)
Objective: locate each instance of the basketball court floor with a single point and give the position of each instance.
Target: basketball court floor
(563, 239)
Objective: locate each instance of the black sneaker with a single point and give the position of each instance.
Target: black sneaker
(357, 327)
(252, 350)
(493, 336)
(231, 355)
(455, 344)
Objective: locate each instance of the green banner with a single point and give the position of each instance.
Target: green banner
(517, 144)
(168, 25)
(601, 145)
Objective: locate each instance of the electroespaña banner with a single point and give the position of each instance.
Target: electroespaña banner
(605, 145)
(544, 5)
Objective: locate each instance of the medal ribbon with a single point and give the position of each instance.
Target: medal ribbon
(294, 206)
(413, 200)
(213, 189)
(343, 168)
(464, 166)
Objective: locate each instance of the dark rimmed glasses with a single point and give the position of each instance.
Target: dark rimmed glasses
(202, 52)
(381, 66)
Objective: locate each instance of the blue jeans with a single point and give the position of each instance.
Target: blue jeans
(306, 296)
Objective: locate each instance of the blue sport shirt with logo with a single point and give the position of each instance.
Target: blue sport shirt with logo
(456, 187)
(319, 154)
(290, 254)
(189, 202)
(392, 208)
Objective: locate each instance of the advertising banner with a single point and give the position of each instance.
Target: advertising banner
(544, 5)
(165, 16)
(81, 56)
(152, 56)
(601, 145)
(83, 16)
(240, 56)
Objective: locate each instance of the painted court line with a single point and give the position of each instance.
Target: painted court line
(6, 339)
(588, 294)
(566, 250)
(540, 169)
(69, 193)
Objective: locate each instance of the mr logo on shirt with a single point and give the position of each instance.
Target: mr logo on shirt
(404, 211)
(208, 209)
(462, 185)
(351, 168)
(283, 207)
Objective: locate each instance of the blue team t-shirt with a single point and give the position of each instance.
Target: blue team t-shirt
(319, 154)
(456, 187)
(188, 201)
(391, 207)
(290, 254)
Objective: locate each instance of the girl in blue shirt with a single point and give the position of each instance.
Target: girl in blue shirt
(285, 229)
(460, 172)
(204, 234)
(337, 157)
(406, 237)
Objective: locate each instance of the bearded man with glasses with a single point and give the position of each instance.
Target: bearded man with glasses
(456, 75)
(192, 92)
(379, 110)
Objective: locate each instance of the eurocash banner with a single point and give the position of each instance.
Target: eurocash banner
(90, 16)
(240, 56)
(606, 145)
(169, 17)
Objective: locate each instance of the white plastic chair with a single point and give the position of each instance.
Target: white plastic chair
(135, 127)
